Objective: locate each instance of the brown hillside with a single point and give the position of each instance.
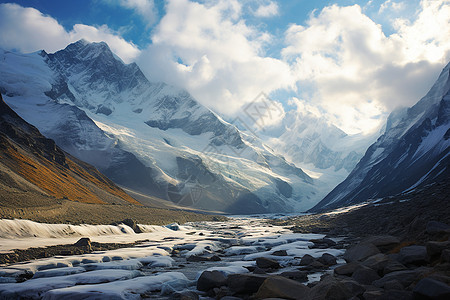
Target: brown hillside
(25, 152)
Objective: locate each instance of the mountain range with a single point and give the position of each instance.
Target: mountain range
(146, 136)
(156, 140)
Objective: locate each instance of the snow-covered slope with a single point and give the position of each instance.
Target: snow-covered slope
(413, 151)
(322, 150)
(150, 137)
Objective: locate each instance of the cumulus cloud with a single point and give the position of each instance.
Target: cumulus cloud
(269, 9)
(209, 50)
(357, 73)
(145, 8)
(28, 30)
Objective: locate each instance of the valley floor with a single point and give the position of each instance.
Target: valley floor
(392, 248)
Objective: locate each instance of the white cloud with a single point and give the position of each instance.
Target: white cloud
(357, 73)
(267, 10)
(209, 50)
(389, 4)
(145, 8)
(28, 30)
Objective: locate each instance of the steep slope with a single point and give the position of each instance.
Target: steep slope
(414, 151)
(29, 161)
(150, 137)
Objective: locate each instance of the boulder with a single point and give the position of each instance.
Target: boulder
(397, 294)
(197, 258)
(280, 253)
(393, 266)
(382, 242)
(365, 275)
(331, 289)
(296, 275)
(373, 295)
(413, 255)
(434, 249)
(267, 263)
(393, 285)
(84, 243)
(360, 252)
(133, 224)
(377, 262)
(245, 283)
(432, 289)
(405, 277)
(281, 287)
(435, 227)
(355, 288)
(185, 295)
(307, 260)
(211, 279)
(346, 269)
(445, 255)
(327, 259)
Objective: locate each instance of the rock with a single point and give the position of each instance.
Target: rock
(197, 258)
(445, 255)
(404, 277)
(377, 262)
(346, 269)
(331, 289)
(295, 275)
(360, 252)
(230, 298)
(258, 270)
(393, 285)
(306, 260)
(393, 266)
(355, 288)
(373, 295)
(435, 227)
(281, 287)
(316, 265)
(365, 275)
(84, 243)
(397, 294)
(185, 295)
(432, 289)
(245, 283)
(267, 263)
(327, 259)
(382, 242)
(323, 243)
(280, 253)
(173, 226)
(211, 279)
(413, 255)
(434, 249)
(133, 224)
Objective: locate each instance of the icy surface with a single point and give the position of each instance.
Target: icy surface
(148, 267)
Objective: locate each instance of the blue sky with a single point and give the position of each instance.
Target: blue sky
(351, 61)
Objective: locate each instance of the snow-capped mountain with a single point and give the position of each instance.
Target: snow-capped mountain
(321, 149)
(147, 136)
(413, 151)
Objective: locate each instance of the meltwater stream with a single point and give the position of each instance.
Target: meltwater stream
(170, 260)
